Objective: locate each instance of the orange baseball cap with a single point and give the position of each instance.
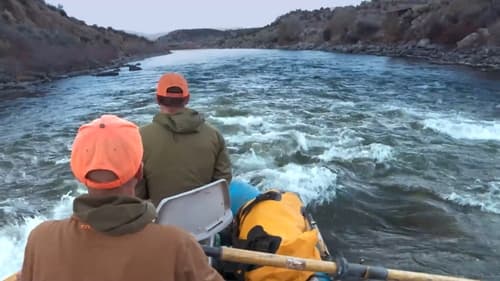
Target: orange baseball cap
(107, 143)
(172, 85)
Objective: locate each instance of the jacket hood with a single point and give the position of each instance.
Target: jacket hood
(114, 215)
(185, 121)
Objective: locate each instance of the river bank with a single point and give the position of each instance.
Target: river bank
(457, 32)
(480, 58)
(30, 81)
(40, 43)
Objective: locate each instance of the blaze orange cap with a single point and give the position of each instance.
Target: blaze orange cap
(172, 85)
(107, 143)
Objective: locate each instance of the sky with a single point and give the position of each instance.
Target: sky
(158, 16)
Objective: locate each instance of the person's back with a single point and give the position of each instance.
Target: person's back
(111, 235)
(71, 250)
(181, 151)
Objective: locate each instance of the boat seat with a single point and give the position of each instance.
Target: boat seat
(203, 211)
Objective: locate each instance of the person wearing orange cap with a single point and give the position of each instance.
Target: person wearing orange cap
(111, 235)
(181, 151)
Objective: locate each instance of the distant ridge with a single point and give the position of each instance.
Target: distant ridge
(442, 31)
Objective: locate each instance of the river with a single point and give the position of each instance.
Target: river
(398, 160)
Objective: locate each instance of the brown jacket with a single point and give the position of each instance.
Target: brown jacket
(73, 250)
(181, 152)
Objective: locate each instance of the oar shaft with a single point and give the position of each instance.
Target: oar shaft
(417, 276)
(266, 259)
(361, 272)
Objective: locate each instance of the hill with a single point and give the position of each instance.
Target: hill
(199, 38)
(444, 31)
(39, 41)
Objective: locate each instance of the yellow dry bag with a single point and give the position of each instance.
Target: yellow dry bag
(275, 222)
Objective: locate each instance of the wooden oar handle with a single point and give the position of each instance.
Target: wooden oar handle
(361, 272)
(259, 258)
(13, 277)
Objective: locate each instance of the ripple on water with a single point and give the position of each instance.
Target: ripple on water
(399, 161)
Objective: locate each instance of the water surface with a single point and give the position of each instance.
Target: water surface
(399, 161)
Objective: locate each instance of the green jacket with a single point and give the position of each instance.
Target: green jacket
(181, 152)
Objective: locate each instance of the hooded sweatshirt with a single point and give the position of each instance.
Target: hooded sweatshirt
(113, 238)
(181, 152)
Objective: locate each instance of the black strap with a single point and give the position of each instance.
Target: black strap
(269, 195)
(257, 233)
(245, 209)
(259, 240)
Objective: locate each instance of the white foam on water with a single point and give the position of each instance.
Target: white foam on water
(462, 128)
(301, 140)
(313, 183)
(63, 160)
(251, 161)
(245, 121)
(488, 201)
(375, 151)
(337, 104)
(256, 137)
(454, 124)
(13, 237)
(12, 242)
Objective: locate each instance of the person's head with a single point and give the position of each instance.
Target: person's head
(107, 156)
(172, 92)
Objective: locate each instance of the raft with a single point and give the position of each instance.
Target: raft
(208, 225)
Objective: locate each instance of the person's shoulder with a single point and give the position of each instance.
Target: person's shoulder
(149, 131)
(146, 127)
(48, 226)
(206, 126)
(172, 232)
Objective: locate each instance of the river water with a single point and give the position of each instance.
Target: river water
(398, 160)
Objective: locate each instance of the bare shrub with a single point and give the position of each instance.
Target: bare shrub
(431, 27)
(465, 10)
(7, 16)
(14, 8)
(453, 33)
(342, 21)
(327, 34)
(289, 30)
(365, 27)
(392, 27)
(494, 30)
(4, 47)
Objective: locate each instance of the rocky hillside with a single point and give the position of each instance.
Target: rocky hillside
(202, 37)
(39, 41)
(447, 31)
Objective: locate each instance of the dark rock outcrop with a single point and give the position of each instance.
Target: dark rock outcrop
(114, 72)
(134, 67)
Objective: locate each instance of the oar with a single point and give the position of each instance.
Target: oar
(13, 277)
(362, 272)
